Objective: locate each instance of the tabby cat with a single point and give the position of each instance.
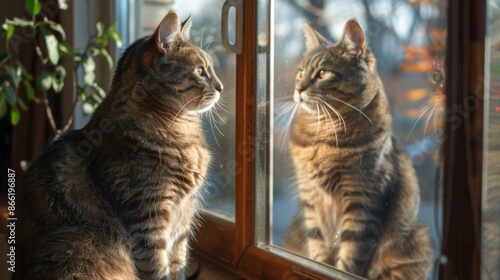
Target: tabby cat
(358, 190)
(118, 198)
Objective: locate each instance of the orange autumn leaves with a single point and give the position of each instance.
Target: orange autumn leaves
(424, 59)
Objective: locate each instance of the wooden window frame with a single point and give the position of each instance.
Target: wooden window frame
(463, 146)
(232, 244)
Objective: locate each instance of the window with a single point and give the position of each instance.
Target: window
(490, 228)
(417, 44)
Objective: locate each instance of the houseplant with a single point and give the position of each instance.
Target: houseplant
(48, 39)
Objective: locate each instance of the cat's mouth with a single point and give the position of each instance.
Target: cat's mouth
(305, 101)
(207, 102)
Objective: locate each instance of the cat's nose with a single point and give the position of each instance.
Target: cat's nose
(219, 88)
(300, 88)
(302, 85)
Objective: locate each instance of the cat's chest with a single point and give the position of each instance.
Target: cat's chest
(191, 161)
(195, 158)
(320, 165)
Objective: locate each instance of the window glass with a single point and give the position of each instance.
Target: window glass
(408, 40)
(490, 267)
(143, 16)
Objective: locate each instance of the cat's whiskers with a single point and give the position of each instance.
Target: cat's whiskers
(214, 111)
(372, 248)
(203, 33)
(406, 235)
(437, 115)
(339, 115)
(212, 125)
(288, 109)
(331, 120)
(318, 100)
(319, 122)
(210, 119)
(203, 139)
(353, 107)
(427, 121)
(221, 104)
(281, 98)
(208, 45)
(283, 110)
(268, 102)
(422, 113)
(180, 110)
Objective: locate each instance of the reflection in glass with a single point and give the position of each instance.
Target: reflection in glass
(490, 256)
(408, 40)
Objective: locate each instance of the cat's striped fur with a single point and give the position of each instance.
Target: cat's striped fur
(358, 190)
(118, 198)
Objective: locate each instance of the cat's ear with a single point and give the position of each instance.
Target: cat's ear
(354, 38)
(312, 40)
(186, 27)
(167, 31)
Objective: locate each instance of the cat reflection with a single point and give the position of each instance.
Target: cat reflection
(358, 191)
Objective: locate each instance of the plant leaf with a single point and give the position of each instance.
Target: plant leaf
(117, 37)
(20, 22)
(102, 41)
(45, 80)
(83, 94)
(8, 31)
(108, 58)
(30, 93)
(99, 91)
(88, 64)
(89, 78)
(13, 75)
(15, 115)
(51, 42)
(65, 49)
(59, 29)
(33, 7)
(21, 104)
(97, 99)
(88, 109)
(112, 27)
(10, 93)
(24, 72)
(3, 105)
(100, 28)
(58, 85)
(93, 51)
(89, 68)
(62, 4)
(59, 74)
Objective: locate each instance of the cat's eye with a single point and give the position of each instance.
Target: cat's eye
(300, 74)
(201, 71)
(323, 74)
(437, 76)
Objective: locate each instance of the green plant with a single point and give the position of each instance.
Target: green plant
(52, 53)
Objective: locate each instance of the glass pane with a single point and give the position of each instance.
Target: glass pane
(316, 147)
(219, 126)
(490, 268)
